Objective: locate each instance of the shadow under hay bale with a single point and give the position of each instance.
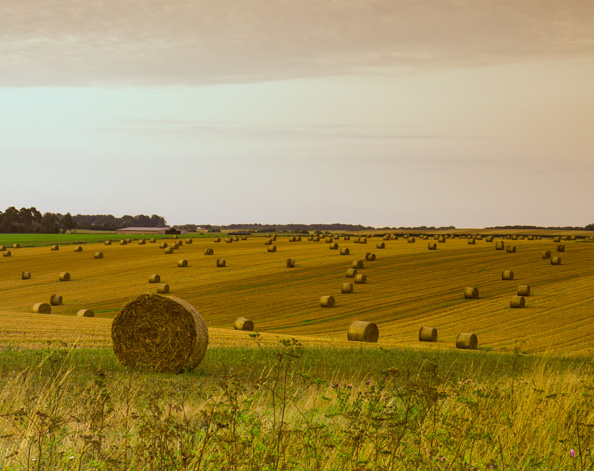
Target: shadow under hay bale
(165, 334)
(467, 341)
(327, 301)
(517, 302)
(55, 300)
(507, 275)
(428, 334)
(41, 308)
(346, 288)
(241, 323)
(154, 278)
(524, 290)
(64, 276)
(26, 275)
(361, 331)
(163, 288)
(85, 313)
(471, 293)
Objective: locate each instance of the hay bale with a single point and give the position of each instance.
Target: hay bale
(362, 240)
(561, 248)
(346, 237)
(555, 260)
(360, 278)
(524, 290)
(517, 302)
(169, 250)
(245, 238)
(85, 313)
(154, 278)
(163, 245)
(427, 334)
(228, 240)
(64, 276)
(358, 264)
(41, 308)
(351, 272)
(499, 245)
(514, 237)
(217, 239)
(208, 251)
(141, 242)
(272, 248)
(411, 240)
(241, 323)
(55, 247)
(546, 254)
(178, 243)
(489, 239)
(107, 242)
(471, 293)
(328, 240)
(268, 242)
(152, 240)
(8, 253)
(221, 262)
(346, 288)
(165, 334)
(182, 263)
(361, 331)
(507, 275)
(441, 240)
(16, 246)
(327, 301)
(386, 237)
(381, 245)
(55, 300)
(123, 242)
(98, 255)
(128, 241)
(26, 275)
(370, 257)
(471, 241)
(511, 249)
(334, 246)
(466, 340)
(163, 288)
(2, 248)
(345, 251)
(78, 249)
(432, 246)
(556, 239)
(189, 241)
(290, 263)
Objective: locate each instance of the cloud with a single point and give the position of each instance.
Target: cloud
(190, 42)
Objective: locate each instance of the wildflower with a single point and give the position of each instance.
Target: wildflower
(572, 453)
(71, 458)
(442, 459)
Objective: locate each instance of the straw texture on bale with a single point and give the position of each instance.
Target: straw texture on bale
(55, 247)
(428, 334)
(26, 275)
(499, 245)
(507, 275)
(489, 239)
(362, 240)
(471, 241)
(64, 276)
(55, 300)
(561, 248)
(272, 248)
(169, 250)
(153, 240)
(556, 239)
(517, 302)
(346, 238)
(8, 253)
(546, 254)
(346, 288)
(345, 251)
(351, 272)
(154, 278)
(432, 246)
(381, 245)
(2, 248)
(386, 237)
(98, 255)
(327, 301)
(370, 257)
(41, 308)
(189, 241)
(16, 246)
(165, 334)
(471, 293)
(334, 246)
(163, 288)
(208, 251)
(228, 240)
(182, 263)
(107, 242)
(241, 323)
(555, 260)
(78, 249)
(221, 262)
(123, 242)
(524, 290)
(163, 245)
(511, 249)
(466, 340)
(360, 278)
(357, 264)
(85, 313)
(411, 240)
(290, 263)
(217, 239)
(361, 331)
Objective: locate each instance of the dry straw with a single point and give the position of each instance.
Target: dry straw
(189, 241)
(346, 288)
(64, 276)
(141, 242)
(2, 248)
(41, 308)
(107, 242)
(360, 279)
(26, 275)
(182, 263)
(85, 313)
(327, 301)
(524, 290)
(546, 254)
(556, 239)
(154, 278)
(55, 300)
(241, 323)
(272, 248)
(466, 340)
(381, 245)
(8, 253)
(346, 237)
(471, 293)
(428, 334)
(370, 257)
(357, 264)
(208, 251)
(334, 246)
(386, 237)
(55, 247)
(411, 240)
(16, 246)
(432, 246)
(217, 239)
(489, 239)
(362, 240)
(128, 241)
(499, 245)
(555, 260)
(221, 262)
(507, 275)
(511, 249)
(471, 241)
(561, 248)
(169, 250)
(351, 272)
(153, 240)
(228, 240)
(345, 251)
(361, 331)
(123, 242)
(165, 334)
(163, 288)
(517, 302)
(78, 249)
(290, 263)
(98, 255)
(163, 245)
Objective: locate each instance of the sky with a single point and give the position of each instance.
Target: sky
(377, 112)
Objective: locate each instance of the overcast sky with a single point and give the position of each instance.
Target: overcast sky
(376, 112)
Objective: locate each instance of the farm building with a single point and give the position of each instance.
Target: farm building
(151, 230)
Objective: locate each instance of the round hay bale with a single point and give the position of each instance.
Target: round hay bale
(290, 263)
(141, 242)
(208, 251)
(78, 249)
(64, 276)
(85, 313)
(153, 240)
(471, 293)
(489, 239)
(55, 300)
(154, 278)
(163, 288)
(328, 240)
(228, 240)
(327, 301)
(428, 334)
(467, 341)
(163, 245)
(346, 288)
(351, 272)
(334, 246)
(272, 248)
(165, 334)
(345, 251)
(556, 239)
(471, 241)
(346, 237)
(174, 236)
(235, 239)
(441, 240)
(107, 242)
(370, 257)
(8, 253)
(358, 264)
(499, 245)
(221, 262)
(546, 254)
(123, 242)
(361, 331)
(561, 248)
(555, 260)
(411, 240)
(381, 245)
(98, 255)
(2, 248)
(360, 279)
(514, 237)
(55, 247)
(189, 241)
(16, 246)
(362, 240)
(268, 242)
(26, 275)
(178, 243)
(182, 263)
(241, 323)
(517, 302)
(524, 290)
(41, 308)
(386, 237)
(432, 246)
(507, 275)
(530, 237)
(169, 250)
(128, 241)
(217, 239)
(245, 238)
(511, 249)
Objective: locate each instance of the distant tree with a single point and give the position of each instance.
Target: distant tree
(67, 222)
(49, 223)
(589, 227)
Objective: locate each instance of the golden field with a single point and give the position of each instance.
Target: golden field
(408, 287)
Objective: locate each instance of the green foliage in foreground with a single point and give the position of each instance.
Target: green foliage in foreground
(297, 408)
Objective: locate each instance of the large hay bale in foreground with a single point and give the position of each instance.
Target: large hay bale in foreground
(26, 275)
(428, 334)
(64, 276)
(555, 260)
(163, 288)
(345, 251)
(154, 278)
(466, 340)
(221, 262)
(524, 290)
(517, 302)
(327, 301)
(346, 288)
(471, 293)
(162, 333)
(546, 254)
(55, 300)
(358, 264)
(98, 255)
(241, 323)
(361, 331)
(182, 263)
(507, 275)
(41, 308)
(290, 263)
(85, 313)
(370, 257)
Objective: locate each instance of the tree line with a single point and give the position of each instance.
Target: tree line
(30, 220)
